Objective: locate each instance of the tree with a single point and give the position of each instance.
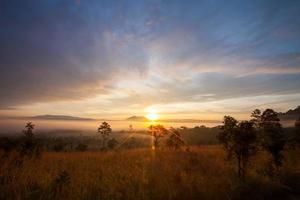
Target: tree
(28, 132)
(256, 117)
(297, 123)
(175, 141)
(247, 143)
(271, 137)
(296, 135)
(239, 140)
(157, 131)
(104, 130)
(29, 145)
(228, 130)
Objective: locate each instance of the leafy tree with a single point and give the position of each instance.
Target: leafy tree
(28, 132)
(297, 123)
(256, 117)
(239, 140)
(247, 143)
(296, 136)
(175, 140)
(104, 130)
(29, 145)
(271, 137)
(228, 130)
(157, 131)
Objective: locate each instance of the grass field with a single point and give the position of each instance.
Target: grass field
(200, 173)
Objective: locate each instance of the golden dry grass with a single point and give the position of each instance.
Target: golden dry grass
(201, 173)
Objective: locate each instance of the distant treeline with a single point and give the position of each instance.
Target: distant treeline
(199, 135)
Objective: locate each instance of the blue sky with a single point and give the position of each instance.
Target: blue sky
(182, 59)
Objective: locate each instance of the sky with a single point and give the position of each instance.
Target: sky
(181, 59)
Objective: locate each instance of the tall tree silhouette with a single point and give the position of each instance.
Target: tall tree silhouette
(256, 118)
(28, 132)
(104, 130)
(296, 137)
(157, 131)
(271, 137)
(29, 144)
(239, 140)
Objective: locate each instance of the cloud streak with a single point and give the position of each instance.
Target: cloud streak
(134, 54)
(55, 51)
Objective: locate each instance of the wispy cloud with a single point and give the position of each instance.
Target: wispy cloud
(128, 55)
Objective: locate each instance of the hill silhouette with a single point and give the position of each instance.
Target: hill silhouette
(61, 117)
(137, 118)
(292, 114)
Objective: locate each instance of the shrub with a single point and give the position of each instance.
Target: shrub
(81, 147)
(112, 143)
(175, 140)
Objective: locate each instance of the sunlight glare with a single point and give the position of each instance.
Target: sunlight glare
(152, 116)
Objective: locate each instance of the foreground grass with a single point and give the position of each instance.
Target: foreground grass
(201, 173)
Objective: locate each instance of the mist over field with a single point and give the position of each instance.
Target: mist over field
(90, 127)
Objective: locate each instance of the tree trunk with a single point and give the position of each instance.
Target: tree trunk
(155, 142)
(244, 166)
(239, 166)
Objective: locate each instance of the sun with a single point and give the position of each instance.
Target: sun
(152, 116)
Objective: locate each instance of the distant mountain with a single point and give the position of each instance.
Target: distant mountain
(61, 117)
(292, 114)
(137, 118)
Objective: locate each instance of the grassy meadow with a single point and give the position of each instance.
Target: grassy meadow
(200, 172)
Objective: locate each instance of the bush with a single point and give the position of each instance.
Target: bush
(112, 143)
(81, 147)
